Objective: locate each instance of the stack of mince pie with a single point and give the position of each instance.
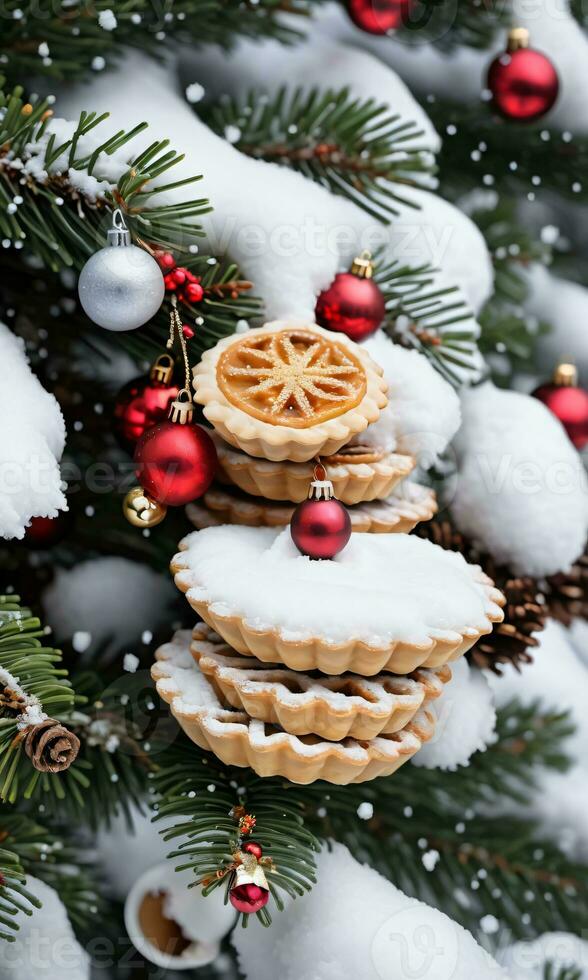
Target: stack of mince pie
(312, 669)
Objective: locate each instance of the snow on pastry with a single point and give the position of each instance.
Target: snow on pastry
(286, 391)
(238, 740)
(387, 602)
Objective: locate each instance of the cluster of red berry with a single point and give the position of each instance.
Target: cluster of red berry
(178, 279)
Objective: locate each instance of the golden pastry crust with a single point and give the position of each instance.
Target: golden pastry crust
(272, 644)
(334, 707)
(289, 392)
(356, 477)
(238, 740)
(400, 513)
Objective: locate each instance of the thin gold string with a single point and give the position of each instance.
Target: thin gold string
(175, 326)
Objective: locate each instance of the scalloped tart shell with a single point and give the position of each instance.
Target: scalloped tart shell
(400, 513)
(238, 740)
(333, 707)
(356, 476)
(287, 391)
(270, 645)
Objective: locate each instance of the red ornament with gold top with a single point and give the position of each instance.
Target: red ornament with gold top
(145, 401)
(249, 891)
(353, 304)
(523, 82)
(568, 402)
(320, 526)
(176, 461)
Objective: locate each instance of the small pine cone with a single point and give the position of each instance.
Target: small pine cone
(524, 615)
(511, 640)
(50, 746)
(567, 592)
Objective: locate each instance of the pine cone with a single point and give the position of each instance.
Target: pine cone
(524, 615)
(567, 592)
(50, 746)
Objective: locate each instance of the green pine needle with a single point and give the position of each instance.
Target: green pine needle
(355, 147)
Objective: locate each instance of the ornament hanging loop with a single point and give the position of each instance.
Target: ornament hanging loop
(321, 487)
(565, 375)
(119, 235)
(181, 409)
(518, 37)
(362, 265)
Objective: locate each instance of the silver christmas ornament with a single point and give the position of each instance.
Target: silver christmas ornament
(121, 286)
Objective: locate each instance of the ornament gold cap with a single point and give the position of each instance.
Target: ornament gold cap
(162, 369)
(362, 265)
(119, 235)
(518, 37)
(320, 488)
(141, 510)
(565, 375)
(181, 409)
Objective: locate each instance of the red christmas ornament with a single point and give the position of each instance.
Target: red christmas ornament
(248, 898)
(252, 847)
(320, 526)
(175, 460)
(523, 82)
(379, 16)
(567, 402)
(353, 304)
(45, 532)
(145, 402)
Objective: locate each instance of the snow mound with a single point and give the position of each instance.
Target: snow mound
(32, 437)
(521, 491)
(423, 413)
(466, 720)
(46, 947)
(355, 924)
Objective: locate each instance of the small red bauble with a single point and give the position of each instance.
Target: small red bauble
(523, 82)
(45, 532)
(175, 463)
(248, 898)
(144, 402)
(567, 402)
(320, 526)
(353, 304)
(252, 847)
(379, 16)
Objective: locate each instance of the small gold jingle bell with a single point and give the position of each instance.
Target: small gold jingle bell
(141, 510)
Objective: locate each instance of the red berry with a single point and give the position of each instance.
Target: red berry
(193, 292)
(166, 260)
(170, 283)
(187, 331)
(179, 276)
